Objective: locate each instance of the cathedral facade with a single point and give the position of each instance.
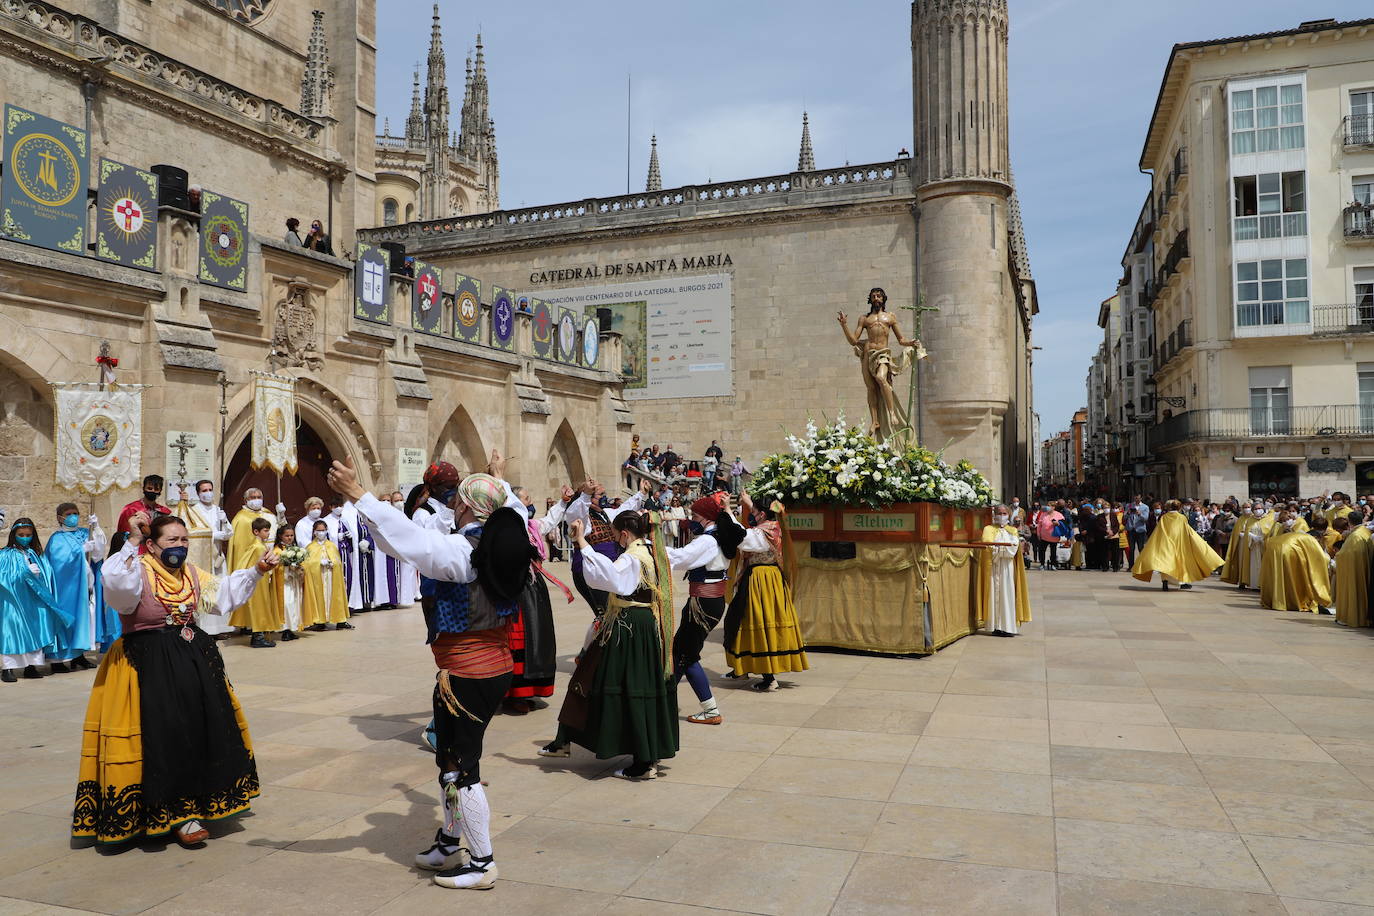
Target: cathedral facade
(268, 105)
(429, 171)
(728, 292)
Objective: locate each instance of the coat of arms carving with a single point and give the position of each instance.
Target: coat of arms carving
(293, 337)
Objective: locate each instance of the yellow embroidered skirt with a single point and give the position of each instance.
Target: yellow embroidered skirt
(762, 633)
(164, 741)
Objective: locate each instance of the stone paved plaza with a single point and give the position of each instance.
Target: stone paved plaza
(1133, 752)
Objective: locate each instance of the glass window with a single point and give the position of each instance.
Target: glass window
(1361, 117)
(389, 212)
(1362, 187)
(1365, 393)
(1272, 292)
(1267, 119)
(1270, 206)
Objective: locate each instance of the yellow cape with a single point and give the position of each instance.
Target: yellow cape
(1333, 513)
(1352, 578)
(312, 604)
(1235, 553)
(1294, 574)
(1175, 550)
(1023, 611)
(241, 542)
(263, 613)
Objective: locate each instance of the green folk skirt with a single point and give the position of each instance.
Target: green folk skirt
(631, 708)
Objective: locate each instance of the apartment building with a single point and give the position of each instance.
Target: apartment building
(1246, 304)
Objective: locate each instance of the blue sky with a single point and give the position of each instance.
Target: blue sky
(723, 85)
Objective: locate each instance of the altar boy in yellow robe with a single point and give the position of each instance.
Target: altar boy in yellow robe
(1294, 575)
(1002, 592)
(1176, 552)
(262, 614)
(326, 598)
(1255, 538)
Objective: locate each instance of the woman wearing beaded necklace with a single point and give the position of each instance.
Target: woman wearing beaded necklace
(165, 745)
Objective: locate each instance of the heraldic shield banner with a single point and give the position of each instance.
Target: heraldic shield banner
(372, 284)
(223, 241)
(426, 303)
(43, 194)
(502, 319)
(99, 437)
(126, 215)
(467, 309)
(274, 423)
(541, 326)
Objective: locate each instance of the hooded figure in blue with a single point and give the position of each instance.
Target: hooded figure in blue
(70, 552)
(29, 612)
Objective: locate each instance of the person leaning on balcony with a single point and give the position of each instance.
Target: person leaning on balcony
(1175, 551)
(293, 234)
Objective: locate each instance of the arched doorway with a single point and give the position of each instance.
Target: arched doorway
(313, 460)
(1273, 479)
(460, 444)
(565, 459)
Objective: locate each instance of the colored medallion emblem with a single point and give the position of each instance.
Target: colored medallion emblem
(223, 241)
(567, 337)
(542, 325)
(99, 436)
(502, 321)
(468, 309)
(591, 342)
(126, 215)
(45, 170)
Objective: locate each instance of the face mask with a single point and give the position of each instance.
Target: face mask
(174, 557)
(254, 504)
(321, 535)
(23, 540)
(314, 514)
(1244, 511)
(151, 495)
(208, 497)
(999, 520)
(72, 520)
(399, 503)
(529, 510)
(336, 511)
(1289, 523)
(1159, 512)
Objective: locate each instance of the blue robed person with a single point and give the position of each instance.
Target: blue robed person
(73, 554)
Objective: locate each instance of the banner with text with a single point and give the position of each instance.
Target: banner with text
(676, 335)
(43, 192)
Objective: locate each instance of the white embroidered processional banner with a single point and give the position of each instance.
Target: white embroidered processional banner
(274, 423)
(99, 436)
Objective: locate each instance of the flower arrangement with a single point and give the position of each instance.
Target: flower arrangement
(291, 556)
(838, 464)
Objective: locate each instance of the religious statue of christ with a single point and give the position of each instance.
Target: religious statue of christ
(870, 343)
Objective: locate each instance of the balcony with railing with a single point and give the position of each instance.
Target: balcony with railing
(1219, 423)
(1173, 182)
(1173, 261)
(1180, 339)
(1346, 318)
(1359, 223)
(1358, 130)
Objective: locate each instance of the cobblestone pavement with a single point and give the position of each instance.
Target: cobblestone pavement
(1133, 751)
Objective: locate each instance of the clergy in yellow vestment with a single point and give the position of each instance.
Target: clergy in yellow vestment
(1175, 551)
(262, 613)
(1003, 595)
(1294, 576)
(1352, 577)
(1339, 508)
(1235, 552)
(326, 600)
(241, 543)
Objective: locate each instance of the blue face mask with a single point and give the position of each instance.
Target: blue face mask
(174, 557)
(71, 520)
(23, 540)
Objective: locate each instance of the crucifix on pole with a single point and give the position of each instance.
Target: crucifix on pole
(913, 407)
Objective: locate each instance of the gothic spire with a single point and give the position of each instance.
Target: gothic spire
(655, 182)
(806, 161)
(436, 77)
(475, 126)
(415, 124)
(318, 83)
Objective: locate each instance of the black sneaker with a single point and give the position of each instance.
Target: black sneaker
(344, 626)
(31, 672)
(478, 875)
(287, 636)
(8, 676)
(260, 641)
(60, 668)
